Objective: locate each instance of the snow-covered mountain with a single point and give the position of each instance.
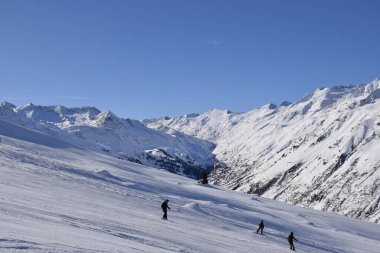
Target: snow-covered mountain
(127, 139)
(56, 197)
(321, 152)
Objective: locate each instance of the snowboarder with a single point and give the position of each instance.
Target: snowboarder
(291, 238)
(261, 227)
(165, 207)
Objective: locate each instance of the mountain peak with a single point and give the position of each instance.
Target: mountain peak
(107, 118)
(7, 104)
(285, 104)
(217, 110)
(107, 114)
(374, 85)
(191, 115)
(269, 106)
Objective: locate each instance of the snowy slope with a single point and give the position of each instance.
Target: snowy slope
(320, 152)
(59, 198)
(126, 139)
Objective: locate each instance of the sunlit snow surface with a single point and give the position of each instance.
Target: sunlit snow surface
(58, 198)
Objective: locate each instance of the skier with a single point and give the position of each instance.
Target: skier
(165, 207)
(204, 178)
(290, 240)
(261, 227)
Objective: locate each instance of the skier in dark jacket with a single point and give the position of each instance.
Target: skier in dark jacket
(261, 227)
(291, 238)
(165, 207)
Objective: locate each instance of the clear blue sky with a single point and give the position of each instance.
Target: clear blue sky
(144, 59)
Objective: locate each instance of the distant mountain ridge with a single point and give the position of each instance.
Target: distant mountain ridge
(320, 152)
(89, 128)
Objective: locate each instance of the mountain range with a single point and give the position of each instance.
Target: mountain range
(89, 128)
(320, 152)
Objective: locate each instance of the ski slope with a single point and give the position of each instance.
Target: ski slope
(58, 198)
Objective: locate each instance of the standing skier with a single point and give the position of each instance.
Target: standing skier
(165, 207)
(291, 238)
(261, 227)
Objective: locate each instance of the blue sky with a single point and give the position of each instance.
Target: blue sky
(144, 59)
